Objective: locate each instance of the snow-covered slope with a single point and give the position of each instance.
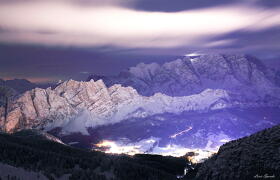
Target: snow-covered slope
(240, 74)
(253, 157)
(8, 172)
(74, 106)
(37, 134)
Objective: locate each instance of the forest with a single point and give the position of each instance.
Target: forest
(55, 160)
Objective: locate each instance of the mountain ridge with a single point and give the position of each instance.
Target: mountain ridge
(239, 73)
(86, 109)
(22, 85)
(92, 103)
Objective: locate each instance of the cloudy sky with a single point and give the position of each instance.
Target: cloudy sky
(59, 39)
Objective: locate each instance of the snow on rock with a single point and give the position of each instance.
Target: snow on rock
(7, 170)
(75, 105)
(241, 74)
(145, 70)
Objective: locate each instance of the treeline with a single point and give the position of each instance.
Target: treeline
(253, 157)
(55, 160)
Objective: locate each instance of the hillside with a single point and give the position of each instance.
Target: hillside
(255, 156)
(55, 160)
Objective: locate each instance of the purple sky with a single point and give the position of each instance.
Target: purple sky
(60, 39)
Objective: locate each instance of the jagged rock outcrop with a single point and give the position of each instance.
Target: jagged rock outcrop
(74, 106)
(253, 157)
(240, 74)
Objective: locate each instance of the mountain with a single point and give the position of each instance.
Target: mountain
(21, 85)
(253, 157)
(244, 99)
(240, 74)
(75, 106)
(30, 157)
(86, 113)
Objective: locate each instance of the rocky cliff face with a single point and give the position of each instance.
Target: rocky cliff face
(74, 106)
(238, 73)
(253, 157)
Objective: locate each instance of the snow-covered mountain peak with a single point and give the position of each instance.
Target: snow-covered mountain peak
(238, 73)
(75, 106)
(143, 70)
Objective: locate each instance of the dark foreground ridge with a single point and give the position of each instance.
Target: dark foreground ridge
(253, 157)
(54, 160)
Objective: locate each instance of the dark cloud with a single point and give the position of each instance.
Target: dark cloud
(268, 3)
(62, 51)
(258, 42)
(177, 5)
(22, 61)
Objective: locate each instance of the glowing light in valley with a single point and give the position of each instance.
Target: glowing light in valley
(177, 151)
(106, 144)
(113, 147)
